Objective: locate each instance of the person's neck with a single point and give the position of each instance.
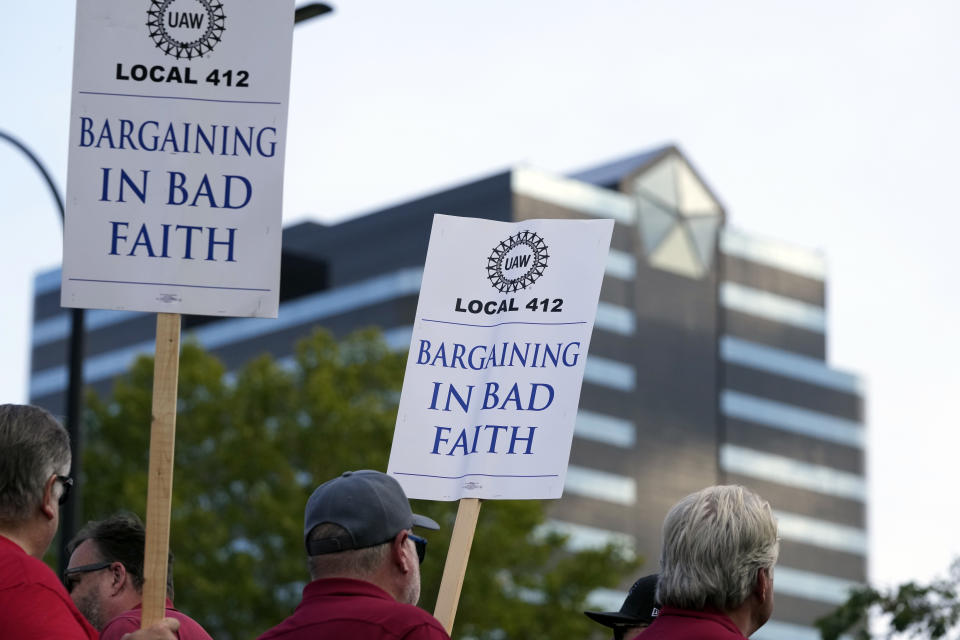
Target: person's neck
(28, 538)
(743, 617)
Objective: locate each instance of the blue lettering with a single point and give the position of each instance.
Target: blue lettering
(226, 192)
(439, 438)
(424, 357)
(116, 236)
(514, 438)
(86, 131)
(491, 394)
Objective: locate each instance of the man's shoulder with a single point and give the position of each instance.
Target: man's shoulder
(684, 624)
(36, 609)
(364, 617)
(129, 621)
(17, 568)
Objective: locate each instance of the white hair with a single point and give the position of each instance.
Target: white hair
(714, 543)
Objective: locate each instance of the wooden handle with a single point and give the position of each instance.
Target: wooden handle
(455, 568)
(163, 427)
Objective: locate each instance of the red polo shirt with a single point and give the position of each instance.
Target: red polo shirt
(684, 624)
(33, 603)
(339, 608)
(129, 621)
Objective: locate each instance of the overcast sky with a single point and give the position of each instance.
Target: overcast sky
(832, 125)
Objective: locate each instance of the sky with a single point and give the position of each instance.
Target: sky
(830, 125)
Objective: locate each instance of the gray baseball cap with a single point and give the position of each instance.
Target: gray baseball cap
(369, 505)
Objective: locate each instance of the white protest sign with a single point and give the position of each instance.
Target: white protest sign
(496, 362)
(175, 171)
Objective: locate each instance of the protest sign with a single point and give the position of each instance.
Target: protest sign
(174, 186)
(175, 168)
(496, 361)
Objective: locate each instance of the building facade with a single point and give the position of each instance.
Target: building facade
(707, 363)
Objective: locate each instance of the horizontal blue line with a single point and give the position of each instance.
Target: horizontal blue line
(485, 475)
(500, 324)
(135, 95)
(168, 284)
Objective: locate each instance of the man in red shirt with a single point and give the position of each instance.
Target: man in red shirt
(364, 564)
(716, 566)
(105, 578)
(34, 462)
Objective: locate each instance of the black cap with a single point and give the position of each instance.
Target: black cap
(640, 607)
(369, 505)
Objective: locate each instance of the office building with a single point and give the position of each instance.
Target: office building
(707, 363)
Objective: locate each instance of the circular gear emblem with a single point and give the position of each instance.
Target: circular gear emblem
(517, 262)
(185, 28)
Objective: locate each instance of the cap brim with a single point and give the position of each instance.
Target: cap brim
(614, 618)
(425, 522)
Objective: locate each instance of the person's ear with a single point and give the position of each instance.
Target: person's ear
(398, 552)
(762, 586)
(50, 505)
(118, 578)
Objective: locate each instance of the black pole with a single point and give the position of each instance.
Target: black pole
(69, 511)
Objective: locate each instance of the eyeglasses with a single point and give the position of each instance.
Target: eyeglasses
(67, 482)
(421, 544)
(70, 579)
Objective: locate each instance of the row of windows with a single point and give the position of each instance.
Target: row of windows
(581, 537)
(770, 306)
(785, 363)
(790, 418)
(792, 473)
(601, 485)
(821, 533)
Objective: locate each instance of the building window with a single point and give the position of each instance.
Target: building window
(793, 473)
(769, 306)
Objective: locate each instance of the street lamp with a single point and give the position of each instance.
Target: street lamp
(68, 514)
(311, 10)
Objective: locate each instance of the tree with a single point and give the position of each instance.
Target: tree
(915, 610)
(251, 447)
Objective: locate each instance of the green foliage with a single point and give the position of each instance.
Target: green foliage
(926, 611)
(251, 448)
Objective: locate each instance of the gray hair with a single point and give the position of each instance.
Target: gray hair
(355, 563)
(33, 446)
(714, 543)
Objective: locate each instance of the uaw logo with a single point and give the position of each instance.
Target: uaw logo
(185, 28)
(517, 262)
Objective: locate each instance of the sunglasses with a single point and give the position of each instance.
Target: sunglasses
(421, 544)
(67, 482)
(70, 576)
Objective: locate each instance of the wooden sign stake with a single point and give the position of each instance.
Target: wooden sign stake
(166, 368)
(455, 568)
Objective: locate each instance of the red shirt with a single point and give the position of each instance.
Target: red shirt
(129, 621)
(684, 624)
(342, 608)
(33, 603)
